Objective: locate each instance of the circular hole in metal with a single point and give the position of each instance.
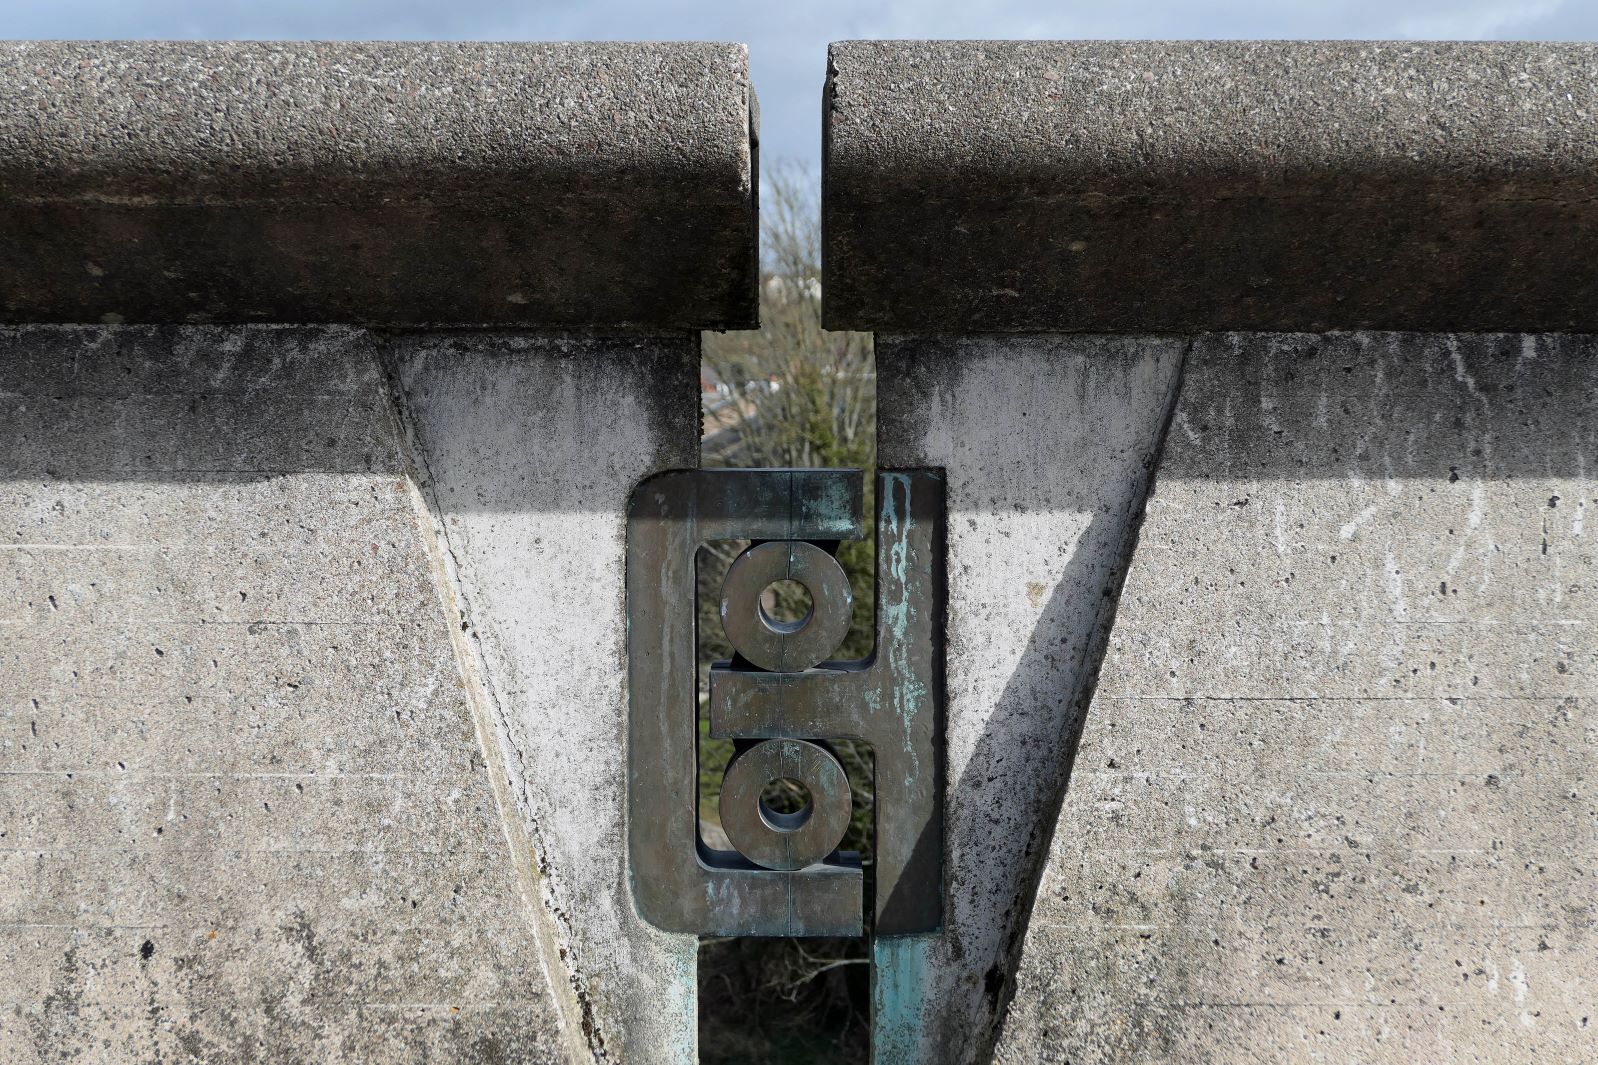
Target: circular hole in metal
(785, 804)
(786, 606)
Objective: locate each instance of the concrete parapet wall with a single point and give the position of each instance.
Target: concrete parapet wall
(1270, 637)
(1097, 186)
(540, 185)
(1270, 670)
(311, 693)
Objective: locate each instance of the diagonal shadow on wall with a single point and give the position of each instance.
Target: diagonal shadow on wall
(1048, 445)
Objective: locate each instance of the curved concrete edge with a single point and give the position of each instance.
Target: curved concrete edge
(1196, 186)
(555, 185)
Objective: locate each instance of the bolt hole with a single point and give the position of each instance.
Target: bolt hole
(786, 606)
(785, 804)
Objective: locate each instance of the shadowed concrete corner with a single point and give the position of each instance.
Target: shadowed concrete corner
(1048, 445)
(1324, 795)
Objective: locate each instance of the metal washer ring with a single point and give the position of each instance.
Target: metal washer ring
(772, 645)
(785, 841)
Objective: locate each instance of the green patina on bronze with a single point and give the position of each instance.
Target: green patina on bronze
(891, 699)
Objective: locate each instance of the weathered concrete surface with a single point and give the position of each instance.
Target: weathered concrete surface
(1334, 798)
(244, 809)
(529, 449)
(1104, 186)
(1047, 444)
(554, 185)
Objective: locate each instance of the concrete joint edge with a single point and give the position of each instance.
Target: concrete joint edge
(570, 186)
(1098, 186)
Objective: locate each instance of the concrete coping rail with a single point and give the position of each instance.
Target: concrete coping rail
(1195, 186)
(604, 186)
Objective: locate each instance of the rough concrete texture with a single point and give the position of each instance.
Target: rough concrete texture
(1192, 186)
(1048, 444)
(245, 814)
(577, 185)
(529, 449)
(1334, 797)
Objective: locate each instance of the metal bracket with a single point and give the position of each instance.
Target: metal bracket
(786, 877)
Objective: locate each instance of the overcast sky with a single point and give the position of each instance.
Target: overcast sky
(787, 41)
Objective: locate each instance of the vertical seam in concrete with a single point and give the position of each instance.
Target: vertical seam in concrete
(1092, 662)
(752, 157)
(488, 715)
